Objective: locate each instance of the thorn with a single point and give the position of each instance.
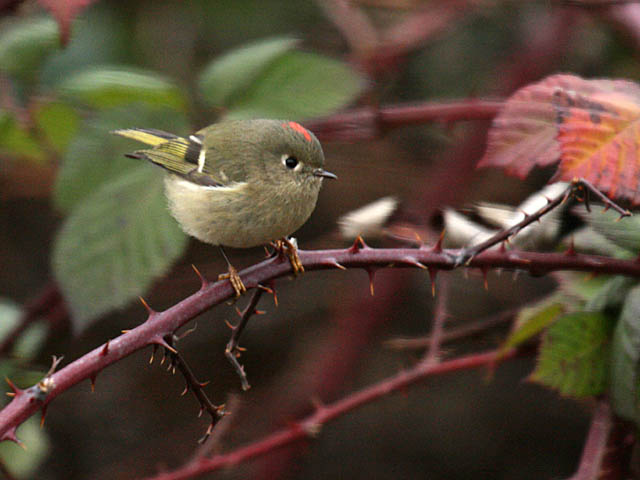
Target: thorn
(271, 291)
(229, 324)
(259, 312)
(413, 262)
(15, 390)
(571, 251)
(200, 412)
(187, 332)
(92, 379)
(239, 312)
(43, 415)
(153, 353)
(418, 238)
(485, 271)
(332, 262)
(203, 281)
(11, 436)
(437, 248)
(433, 273)
(125, 331)
(149, 310)
(105, 349)
(317, 403)
(372, 273)
(185, 391)
(358, 244)
(158, 340)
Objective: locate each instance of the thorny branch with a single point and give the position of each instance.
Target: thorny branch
(311, 426)
(578, 188)
(160, 324)
(232, 350)
(178, 362)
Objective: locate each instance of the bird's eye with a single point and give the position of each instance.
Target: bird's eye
(290, 162)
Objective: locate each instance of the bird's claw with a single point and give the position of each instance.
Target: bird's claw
(234, 279)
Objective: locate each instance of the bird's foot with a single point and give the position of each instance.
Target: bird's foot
(289, 248)
(234, 279)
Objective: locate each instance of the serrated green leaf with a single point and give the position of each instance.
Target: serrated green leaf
(96, 156)
(531, 320)
(115, 244)
(24, 45)
(16, 141)
(297, 85)
(574, 355)
(58, 123)
(233, 72)
(111, 86)
(625, 357)
(623, 232)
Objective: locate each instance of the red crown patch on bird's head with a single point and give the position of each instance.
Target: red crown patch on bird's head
(298, 128)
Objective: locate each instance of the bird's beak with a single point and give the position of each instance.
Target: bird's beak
(318, 172)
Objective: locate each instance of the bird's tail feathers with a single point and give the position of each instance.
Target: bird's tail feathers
(150, 136)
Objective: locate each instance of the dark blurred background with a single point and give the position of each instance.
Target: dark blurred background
(326, 337)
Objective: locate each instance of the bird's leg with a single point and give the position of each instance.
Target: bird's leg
(289, 248)
(232, 275)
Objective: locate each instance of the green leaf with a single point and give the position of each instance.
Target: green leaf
(24, 45)
(233, 72)
(115, 243)
(58, 123)
(110, 86)
(611, 295)
(14, 140)
(24, 462)
(96, 156)
(31, 339)
(625, 232)
(297, 85)
(532, 320)
(574, 355)
(625, 356)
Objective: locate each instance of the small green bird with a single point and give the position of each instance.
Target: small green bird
(239, 183)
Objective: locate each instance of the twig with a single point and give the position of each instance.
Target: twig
(371, 122)
(439, 319)
(311, 426)
(160, 324)
(465, 331)
(575, 188)
(607, 451)
(232, 351)
(47, 299)
(197, 387)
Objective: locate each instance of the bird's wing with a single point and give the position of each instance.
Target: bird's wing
(178, 155)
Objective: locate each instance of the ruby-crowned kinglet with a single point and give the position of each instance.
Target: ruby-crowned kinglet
(240, 183)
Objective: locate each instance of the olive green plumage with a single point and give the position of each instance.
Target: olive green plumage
(239, 183)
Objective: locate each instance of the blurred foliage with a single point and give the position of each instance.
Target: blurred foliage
(113, 247)
(22, 463)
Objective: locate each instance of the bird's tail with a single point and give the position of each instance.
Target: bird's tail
(149, 136)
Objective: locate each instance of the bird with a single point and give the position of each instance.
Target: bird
(238, 183)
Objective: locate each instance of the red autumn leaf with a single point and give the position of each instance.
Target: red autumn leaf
(599, 137)
(64, 11)
(590, 126)
(523, 134)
